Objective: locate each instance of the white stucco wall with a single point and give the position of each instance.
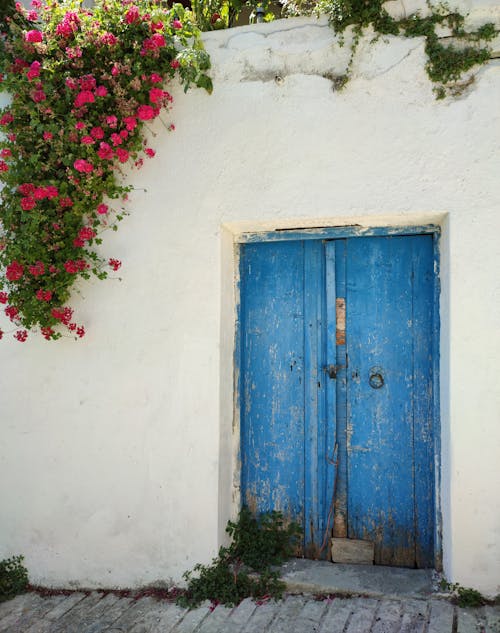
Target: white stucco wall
(116, 458)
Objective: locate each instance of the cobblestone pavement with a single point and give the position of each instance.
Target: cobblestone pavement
(98, 612)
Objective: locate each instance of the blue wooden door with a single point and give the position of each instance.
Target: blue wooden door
(336, 390)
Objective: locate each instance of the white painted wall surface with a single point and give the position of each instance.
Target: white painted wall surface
(116, 457)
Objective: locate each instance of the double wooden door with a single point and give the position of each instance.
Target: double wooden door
(336, 390)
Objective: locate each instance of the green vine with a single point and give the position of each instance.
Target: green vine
(446, 62)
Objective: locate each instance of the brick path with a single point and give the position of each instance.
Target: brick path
(99, 613)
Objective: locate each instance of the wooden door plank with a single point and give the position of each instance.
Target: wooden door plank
(423, 410)
(336, 297)
(315, 419)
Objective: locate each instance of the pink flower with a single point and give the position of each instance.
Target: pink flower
(156, 26)
(145, 112)
(150, 152)
(32, 16)
(44, 295)
(156, 94)
(69, 24)
(105, 151)
(83, 97)
(175, 63)
(112, 121)
(64, 29)
(34, 36)
(65, 202)
(36, 4)
(71, 83)
(83, 166)
(4, 297)
(132, 15)
(87, 140)
(148, 45)
(34, 70)
(6, 119)
(14, 271)
(4, 167)
(88, 82)
(37, 269)
(11, 312)
(114, 263)
(63, 314)
(38, 96)
(102, 209)
(74, 53)
(123, 133)
(122, 154)
(71, 267)
(26, 188)
(28, 203)
(39, 193)
(130, 123)
(5, 153)
(115, 70)
(79, 125)
(177, 24)
(97, 133)
(86, 233)
(51, 192)
(109, 39)
(80, 331)
(159, 40)
(21, 335)
(47, 136)
(47, 332)
(171, 127)
(116, 139)
(155, 78)
(101, 91)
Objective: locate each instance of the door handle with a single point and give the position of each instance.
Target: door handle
(332, 370)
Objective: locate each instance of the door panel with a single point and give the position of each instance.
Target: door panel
(272, 377)
(336, 390)
(381, 394)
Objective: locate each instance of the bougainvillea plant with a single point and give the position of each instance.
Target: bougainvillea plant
(82, 86)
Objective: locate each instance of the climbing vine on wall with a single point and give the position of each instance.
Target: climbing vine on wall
(446, 61)
(83, 84)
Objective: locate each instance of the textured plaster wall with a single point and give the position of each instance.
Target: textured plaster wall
(117, 458)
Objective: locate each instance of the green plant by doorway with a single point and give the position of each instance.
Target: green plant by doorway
(244, 569)
(464, 596)
(13, 577)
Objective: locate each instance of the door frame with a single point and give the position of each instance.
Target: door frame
(352, 231)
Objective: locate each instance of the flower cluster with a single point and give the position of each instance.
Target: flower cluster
(83, 85)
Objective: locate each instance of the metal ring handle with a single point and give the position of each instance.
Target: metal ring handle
(376, 381)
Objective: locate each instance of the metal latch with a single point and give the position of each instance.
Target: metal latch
(332, 370)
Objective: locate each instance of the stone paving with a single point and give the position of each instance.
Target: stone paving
(98, 612)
